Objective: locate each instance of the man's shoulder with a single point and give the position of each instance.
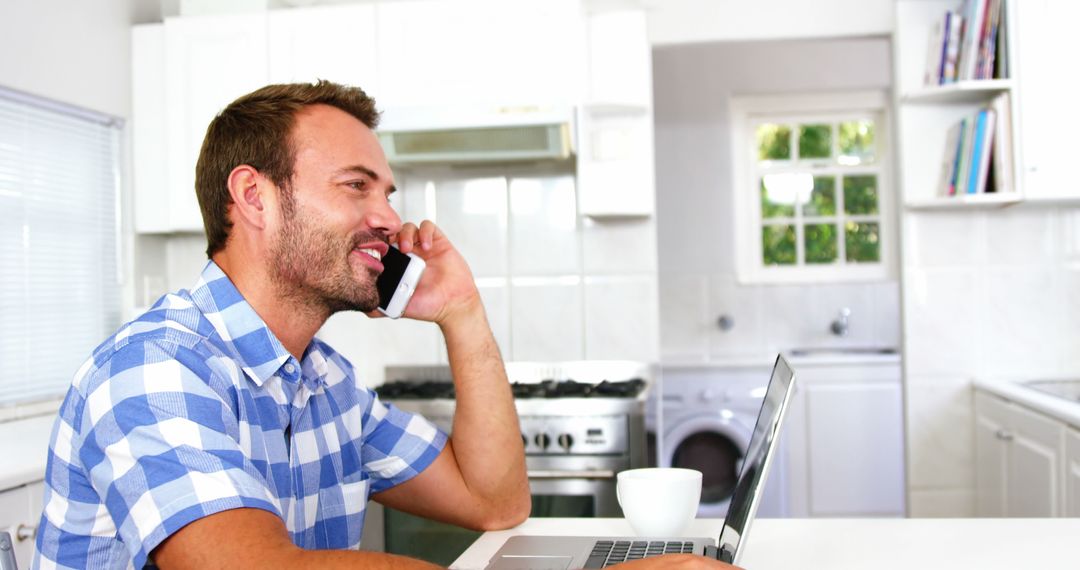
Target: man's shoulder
(174, 328)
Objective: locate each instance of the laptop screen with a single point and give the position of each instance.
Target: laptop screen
(756, 463)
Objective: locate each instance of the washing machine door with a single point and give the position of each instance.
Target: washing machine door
(715, 445)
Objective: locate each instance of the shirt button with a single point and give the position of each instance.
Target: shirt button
(290, 368)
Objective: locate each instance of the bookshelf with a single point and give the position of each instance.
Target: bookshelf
(926, 113)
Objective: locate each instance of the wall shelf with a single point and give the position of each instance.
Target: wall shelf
(976, 91)
(973, 201)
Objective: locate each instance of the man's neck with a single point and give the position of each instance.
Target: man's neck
(292, 320)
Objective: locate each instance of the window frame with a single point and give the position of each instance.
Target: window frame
(749, 111)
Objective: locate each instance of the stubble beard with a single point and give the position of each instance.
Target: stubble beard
(311, 266)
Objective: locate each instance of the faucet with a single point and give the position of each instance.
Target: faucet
(839, 327)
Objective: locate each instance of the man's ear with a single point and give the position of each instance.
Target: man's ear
(250, 192)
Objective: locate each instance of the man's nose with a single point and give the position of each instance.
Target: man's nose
(383, 218)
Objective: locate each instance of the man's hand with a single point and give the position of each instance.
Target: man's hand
(447, 288)
(676, 561)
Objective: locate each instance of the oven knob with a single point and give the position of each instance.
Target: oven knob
(565, 441)
(543, 440)
(524, 441)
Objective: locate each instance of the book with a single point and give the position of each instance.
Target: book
(1002, 148)
(935, 53)
(947, 181)
(974, 12)
(985, 149)
(976, 153)
(952, 46)
(963, 155)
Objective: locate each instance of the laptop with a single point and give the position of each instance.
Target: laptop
(572, 552)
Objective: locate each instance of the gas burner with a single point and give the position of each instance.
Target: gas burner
(434, 389)
(414, 390)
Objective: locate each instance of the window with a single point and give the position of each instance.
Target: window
(811, 188)
(59, 288)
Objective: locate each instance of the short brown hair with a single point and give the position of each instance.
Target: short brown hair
(254, 130)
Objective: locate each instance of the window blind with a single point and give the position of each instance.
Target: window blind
(59, 285)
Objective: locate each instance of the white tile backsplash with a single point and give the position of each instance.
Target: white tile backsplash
(946, 240)
(621, 318)
(1021, 237)
(619, 246)
(1020, 326)
(473, 214)
(940, 432)
(685, 321)
(743, 305)
(547, 319)
(544, 234)
(944, 311)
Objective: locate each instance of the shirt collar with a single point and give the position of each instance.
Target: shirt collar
(260, 353)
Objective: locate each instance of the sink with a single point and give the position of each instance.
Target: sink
(1067, 389)
(842, 351)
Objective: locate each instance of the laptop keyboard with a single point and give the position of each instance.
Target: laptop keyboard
(609, 552)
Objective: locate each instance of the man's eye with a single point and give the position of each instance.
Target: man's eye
(357, 185)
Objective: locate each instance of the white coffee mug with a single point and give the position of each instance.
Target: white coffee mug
(659, 501)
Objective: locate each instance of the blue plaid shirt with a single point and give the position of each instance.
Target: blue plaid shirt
(194, 408)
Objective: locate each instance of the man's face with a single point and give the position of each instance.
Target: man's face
(336, 217)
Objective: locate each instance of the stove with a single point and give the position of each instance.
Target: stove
(582, 423)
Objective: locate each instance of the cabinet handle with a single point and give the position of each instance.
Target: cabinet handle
(25, 532)
(1004, 435)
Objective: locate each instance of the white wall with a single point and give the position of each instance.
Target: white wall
(692, 88)
(693, 21)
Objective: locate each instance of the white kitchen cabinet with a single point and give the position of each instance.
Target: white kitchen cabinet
(209, 62)
(149, 130)
(336, 43)
(615, 164)
(20, 511)
(620, 59)
(845, 441)
(480, 52)
(991, 452)
(1048, 124)
(1022, 474)
(1072, 473)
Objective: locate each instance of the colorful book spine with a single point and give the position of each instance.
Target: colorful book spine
(976, 153)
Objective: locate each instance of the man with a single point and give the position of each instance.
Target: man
(215, 431)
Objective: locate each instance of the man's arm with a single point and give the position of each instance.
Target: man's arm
(254, 538)
(479, 480)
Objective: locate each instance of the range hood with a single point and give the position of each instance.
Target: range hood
(476, 135)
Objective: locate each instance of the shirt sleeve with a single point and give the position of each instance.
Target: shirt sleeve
(161, 447)
(397, 445)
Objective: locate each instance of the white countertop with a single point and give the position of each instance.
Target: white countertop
(25, 448)
(839, 544)
(1010, 389)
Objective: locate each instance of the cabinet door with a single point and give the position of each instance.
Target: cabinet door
(856, 463)
(1072, 473)
(210, 61)
(991, 454)
(149, 136)
(1048, 121)
(620, 59)
(1033, 483)
(480, 52)
(325, 42)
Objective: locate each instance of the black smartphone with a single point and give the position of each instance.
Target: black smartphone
(397, 282)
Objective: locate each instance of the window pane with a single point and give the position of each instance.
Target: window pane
(856, 142)
(815, 141)
(820, 243)
(860, 194)
(822, 200)
(778, 245)
(774, 142)
(775, 201)
(862, 241)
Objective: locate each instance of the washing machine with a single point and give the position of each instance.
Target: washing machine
(702, 418)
